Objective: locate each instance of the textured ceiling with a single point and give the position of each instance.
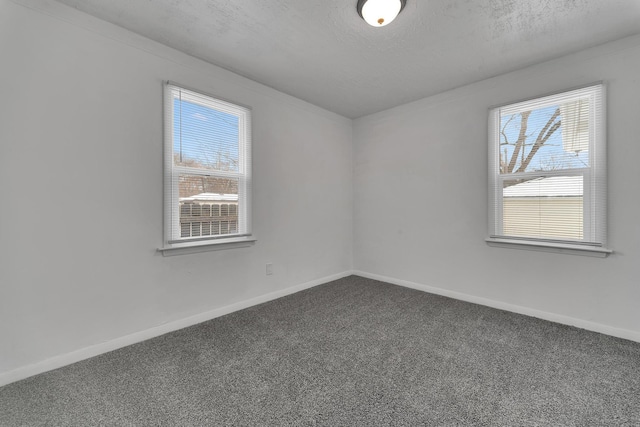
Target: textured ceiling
(323, 52)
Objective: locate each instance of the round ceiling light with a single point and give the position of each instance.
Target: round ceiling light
(379, 13)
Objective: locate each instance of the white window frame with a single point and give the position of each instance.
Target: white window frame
(594, 178)
(174, 244)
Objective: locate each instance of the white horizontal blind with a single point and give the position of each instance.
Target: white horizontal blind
(547, 177)
(207, 167)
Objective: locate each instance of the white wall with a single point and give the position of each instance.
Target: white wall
(420, 198)
(81, 173)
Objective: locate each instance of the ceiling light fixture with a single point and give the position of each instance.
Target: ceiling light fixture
(379, 13)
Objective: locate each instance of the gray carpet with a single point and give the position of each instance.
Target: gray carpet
(354, 352)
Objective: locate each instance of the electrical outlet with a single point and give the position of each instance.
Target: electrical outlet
(269, 269)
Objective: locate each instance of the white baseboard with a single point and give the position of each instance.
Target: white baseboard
(532, 312)
(104, 347)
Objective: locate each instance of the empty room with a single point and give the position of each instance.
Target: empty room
(320, 212)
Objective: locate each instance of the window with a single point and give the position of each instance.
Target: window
(207, 170)
(547, 177)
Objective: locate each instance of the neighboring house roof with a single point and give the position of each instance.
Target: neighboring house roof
(211, 197)
(555, 186)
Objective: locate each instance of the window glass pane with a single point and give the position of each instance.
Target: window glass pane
(185, 209)
(206, 228)
(545, 139)
(203, 198)
(204, 137)
(544, 207)
(207, 188)
(185, 229)
(215, 228)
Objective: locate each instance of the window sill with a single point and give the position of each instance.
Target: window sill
(206, 246)
(562, 248)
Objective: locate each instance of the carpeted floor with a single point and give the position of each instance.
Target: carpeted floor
(354, 352)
